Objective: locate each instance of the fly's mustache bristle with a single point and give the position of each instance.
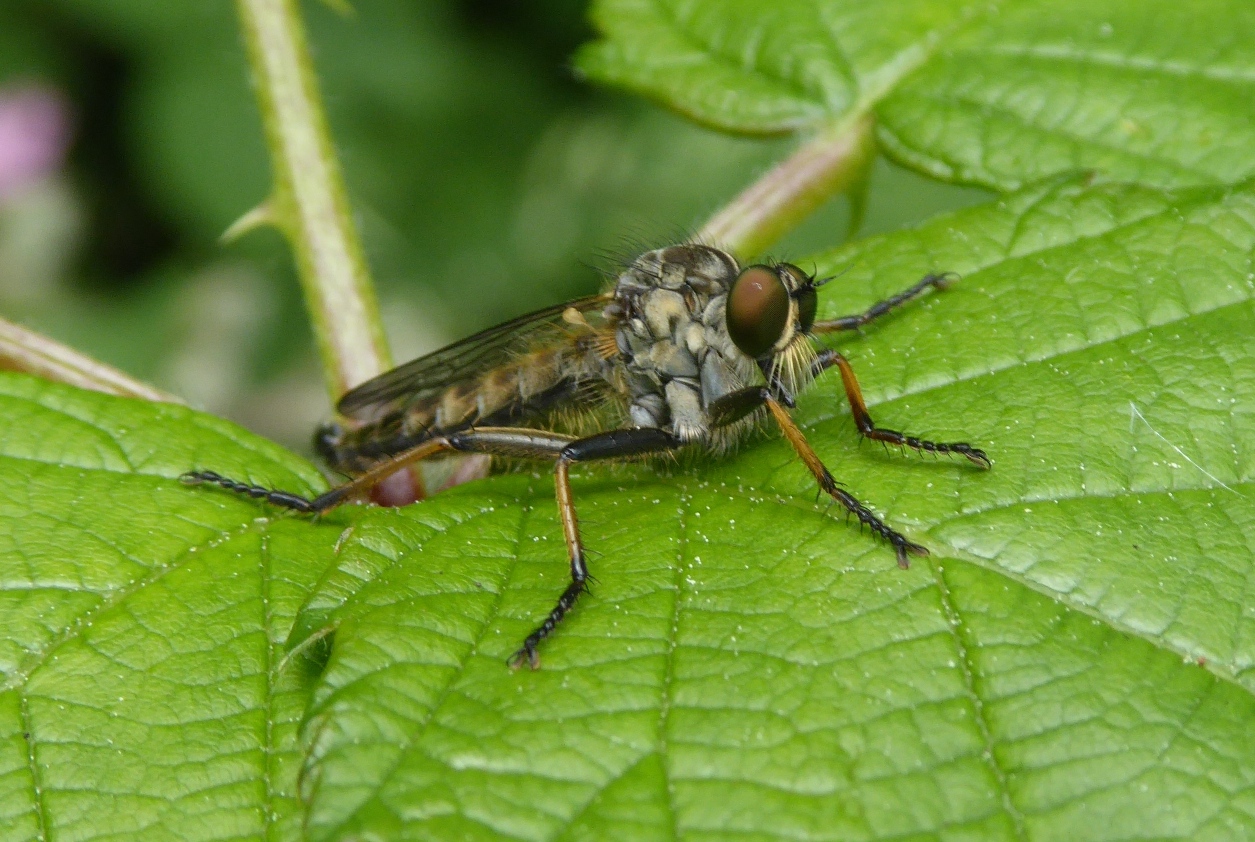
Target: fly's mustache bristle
(794, 365)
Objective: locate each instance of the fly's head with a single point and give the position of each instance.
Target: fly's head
(770, 311)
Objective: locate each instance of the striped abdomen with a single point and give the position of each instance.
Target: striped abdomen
(528, 388)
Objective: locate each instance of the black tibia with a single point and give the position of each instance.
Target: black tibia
(863, 420)
(613, 444)
(901, 546)
(881, 307)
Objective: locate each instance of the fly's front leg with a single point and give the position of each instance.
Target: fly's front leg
(614, 444)
(863, 420)
(880, 308)
(901, 546)
(736, 405)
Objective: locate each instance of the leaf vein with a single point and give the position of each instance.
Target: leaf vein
(413, 739)
(954, 622)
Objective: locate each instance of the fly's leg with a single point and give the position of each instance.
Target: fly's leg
(512, 442)
(736, 405)
(323, 502)
(283, 499)
(880, 308)
(901, 546)
(863, 420)
(613, 444)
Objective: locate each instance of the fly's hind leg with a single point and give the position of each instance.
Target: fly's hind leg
(863, 420)
(511, 442)
(324, 502)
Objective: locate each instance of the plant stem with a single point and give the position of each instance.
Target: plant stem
(309, 203)
(30, 352)
(790, 191)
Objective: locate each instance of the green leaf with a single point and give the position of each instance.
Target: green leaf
(1073, 662)
(998, 94)
(143, 625)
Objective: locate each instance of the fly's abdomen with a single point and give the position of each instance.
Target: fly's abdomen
(527, 389)
(356, 451)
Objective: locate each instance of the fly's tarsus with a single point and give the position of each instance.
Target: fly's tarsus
(973, 454)
(902, 547)
(528, 651)
(284, 499)
(867, 428)
(881, 308)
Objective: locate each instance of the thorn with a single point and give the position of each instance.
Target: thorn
(261, 215)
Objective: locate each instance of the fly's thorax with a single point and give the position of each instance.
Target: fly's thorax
(670, 329)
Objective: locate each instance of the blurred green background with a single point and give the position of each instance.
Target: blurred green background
(486, 179)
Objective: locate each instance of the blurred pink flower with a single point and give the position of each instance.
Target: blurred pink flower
(34, 135)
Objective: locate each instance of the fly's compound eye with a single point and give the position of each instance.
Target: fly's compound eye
(758, 310)
(803, 287)
(807, 305)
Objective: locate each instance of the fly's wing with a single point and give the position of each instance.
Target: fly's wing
(464, 360)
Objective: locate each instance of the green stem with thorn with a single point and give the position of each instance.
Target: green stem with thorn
(830, 162)
(308, 203)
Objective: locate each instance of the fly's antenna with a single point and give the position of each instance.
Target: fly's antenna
(818, 282)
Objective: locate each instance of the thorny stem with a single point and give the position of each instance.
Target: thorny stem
(308, 202)
(29, 352)
(790, 191)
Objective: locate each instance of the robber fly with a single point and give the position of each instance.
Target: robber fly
(688, 349)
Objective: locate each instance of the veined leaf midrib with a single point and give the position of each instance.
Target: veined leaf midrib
(800, 91)
(1127, 152)
(871, 88)
(963, 556)
(1055, 356)
(416, 737)
(954, 624)
(1114, 60)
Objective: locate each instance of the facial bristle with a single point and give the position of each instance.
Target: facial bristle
(792, 366)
